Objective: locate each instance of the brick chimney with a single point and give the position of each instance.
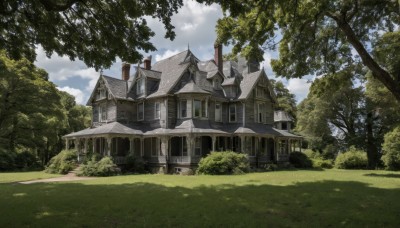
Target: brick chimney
(126, 67)
(147, 63)
(218, 55)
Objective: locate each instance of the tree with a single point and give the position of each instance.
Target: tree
(391, 150)
(286, 100)
(93, 31)
(317, 37)
(33, 115)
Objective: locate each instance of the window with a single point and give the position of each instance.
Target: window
(155, 146)
(140, 86)
(284, 125)
(232, 113)
(183, 108)
(218, 112)
(216, 83)
(260, 92)
(260, 112)
(140, 111)
(122, 115)
(102, 113)
(101, 93)
(184, 147)
(197, 146)
(157, 110)
(199, 108)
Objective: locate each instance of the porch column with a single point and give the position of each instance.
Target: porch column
(189, 142)
(66, 144)
(213, 138)
(109, 139)
(94, 145)
(141, 147)
(131, 146)
(164, 145)
(242, 143)
(85, 146)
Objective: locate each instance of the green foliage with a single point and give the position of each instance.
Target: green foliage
(6, 160)
(63, 162)
(329, 152)
(27, 161)
(222, 163)
(134, 164)
(93, 31)
(391, 150)
(299, 160)
(34, 114)
(285, 100)
(104, 167)
(352, 159)
(317, 37)
(322, 163)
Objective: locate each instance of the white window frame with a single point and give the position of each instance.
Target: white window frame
(157, 111)
(218, 118)
(140, 86)
(102, 113)
(232, 105)
(138, 111)
(194, 108)
(180, 109)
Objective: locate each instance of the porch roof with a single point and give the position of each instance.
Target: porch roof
(110, 128)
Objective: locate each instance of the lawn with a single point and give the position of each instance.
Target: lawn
(274, 199)
(24, 176)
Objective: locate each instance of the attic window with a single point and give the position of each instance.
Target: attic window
(101, 93)
(140, 86)
(216, 83)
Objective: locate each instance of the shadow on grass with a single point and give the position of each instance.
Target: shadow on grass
(315, 204)
(390, 175)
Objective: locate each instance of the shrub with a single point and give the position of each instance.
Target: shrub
(352, 159)
(6, 160)
(63, 162)
(104, 167)
(134, 164)
(26, 161)
(227, 162)
(300, 160)
(312, 154)
(329, 152)
(321, 163)
(391, 150)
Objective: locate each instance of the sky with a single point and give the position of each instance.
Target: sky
(194, 27)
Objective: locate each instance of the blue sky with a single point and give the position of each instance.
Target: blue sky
(194, 25)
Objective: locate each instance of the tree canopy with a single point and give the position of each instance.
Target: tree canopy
(316, 37)
(95, 32)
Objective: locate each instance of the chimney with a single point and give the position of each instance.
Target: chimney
(218, 55)
(147, 63)
(125, 71)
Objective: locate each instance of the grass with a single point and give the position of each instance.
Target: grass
(24, 176)
(356, 198)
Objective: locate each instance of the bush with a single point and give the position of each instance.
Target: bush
(104, 167)
(329, 152)
(300, 160)
(321, 163)
(27, 161)
(312, 154)
(134, 164)
(63, 162)
(7, 160)
(220, 163)
(352, 159)
(391, 150)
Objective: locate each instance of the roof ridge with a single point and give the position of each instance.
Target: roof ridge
(162, 60)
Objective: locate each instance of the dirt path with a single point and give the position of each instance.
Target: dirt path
(71, 176)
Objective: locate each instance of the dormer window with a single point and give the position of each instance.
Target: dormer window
(216, 83)
(101, 93)
(140, 86)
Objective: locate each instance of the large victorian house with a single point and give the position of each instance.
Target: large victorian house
(176, 111)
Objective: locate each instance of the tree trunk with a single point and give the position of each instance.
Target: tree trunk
(378, 72)
(372, 151)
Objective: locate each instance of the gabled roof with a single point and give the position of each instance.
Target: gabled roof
(117, 87)
(150, 73)
(247, 84)
(191, 87)
(172, 69)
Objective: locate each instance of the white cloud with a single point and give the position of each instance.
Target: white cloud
(77, 93)
(166, 54)
(299, 87)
